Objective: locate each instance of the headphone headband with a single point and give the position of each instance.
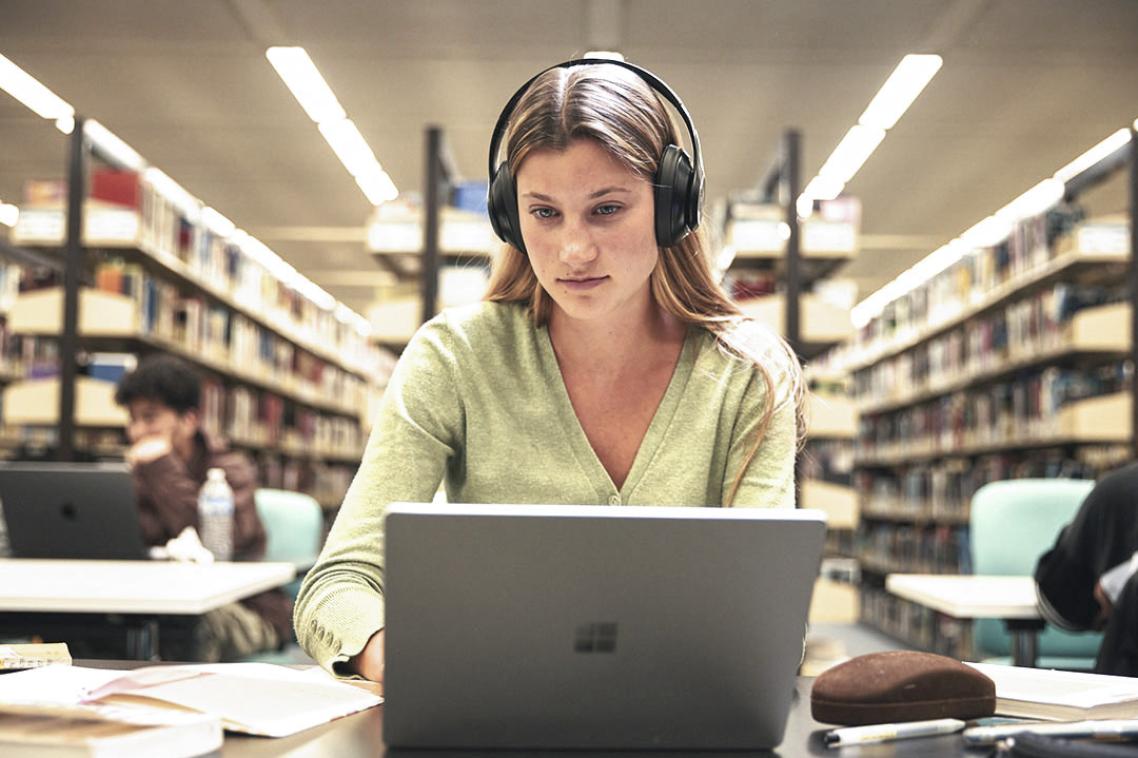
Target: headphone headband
(651, 79)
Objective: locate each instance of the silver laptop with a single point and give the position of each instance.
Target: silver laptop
(71, 510)
(594, 626)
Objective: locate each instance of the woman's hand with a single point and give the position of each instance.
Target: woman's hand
(368, 663)
(1106, 608)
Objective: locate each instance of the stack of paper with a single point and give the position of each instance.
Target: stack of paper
(253, 698)
(1060, 695)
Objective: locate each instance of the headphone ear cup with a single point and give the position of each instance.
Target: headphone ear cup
(502, 207)
(674, 199)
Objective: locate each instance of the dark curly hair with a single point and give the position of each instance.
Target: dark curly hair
(164, 378)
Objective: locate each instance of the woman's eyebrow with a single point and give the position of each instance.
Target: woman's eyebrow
(598, 193)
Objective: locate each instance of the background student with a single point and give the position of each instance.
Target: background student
(607, 365)
(169, 456)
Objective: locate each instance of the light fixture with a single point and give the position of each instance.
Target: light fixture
(378, 187)
(9, 214)
(303, 79)
(348, 144)
(300, 75)
(907, 81)
(189, 205)
(1093, 156)
(27, 89)
(912, 74)
(854, 149)
(989, 231)
(217, 223)
(112, 147)
(65, 124)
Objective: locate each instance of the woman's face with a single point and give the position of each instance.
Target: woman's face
(587, 222)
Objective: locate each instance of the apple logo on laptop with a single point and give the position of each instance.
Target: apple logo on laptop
(68, 511)
(599, 637)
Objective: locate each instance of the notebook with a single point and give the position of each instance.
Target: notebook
(548, 627)
(71, 510)
(1060, 695)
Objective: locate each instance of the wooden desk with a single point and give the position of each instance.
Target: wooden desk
(362, 734)
(140, 589)
(1011, 598)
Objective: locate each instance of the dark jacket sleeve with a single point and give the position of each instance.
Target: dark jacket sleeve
(1101, 536)
(168, 498)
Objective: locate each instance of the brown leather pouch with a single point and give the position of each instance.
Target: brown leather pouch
(901, 686)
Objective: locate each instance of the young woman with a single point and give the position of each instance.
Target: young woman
(606, 366)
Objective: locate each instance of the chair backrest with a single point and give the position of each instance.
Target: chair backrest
(1013, 523)
(294, 525)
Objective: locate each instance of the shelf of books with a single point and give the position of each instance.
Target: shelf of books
(288, 373)
(1011, 363)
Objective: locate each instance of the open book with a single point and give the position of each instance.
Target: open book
(1060, 695)
(254, 698)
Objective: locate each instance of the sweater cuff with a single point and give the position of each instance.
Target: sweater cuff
(341, 628)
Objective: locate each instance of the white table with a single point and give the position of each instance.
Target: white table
(142, 589)
(1011, 598)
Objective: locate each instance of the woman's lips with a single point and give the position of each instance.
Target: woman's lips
(583, 284)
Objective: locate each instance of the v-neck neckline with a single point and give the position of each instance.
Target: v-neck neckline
(649, 444)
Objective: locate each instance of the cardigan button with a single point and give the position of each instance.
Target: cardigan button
(614, 500)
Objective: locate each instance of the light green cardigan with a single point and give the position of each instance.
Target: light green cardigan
(478, 400)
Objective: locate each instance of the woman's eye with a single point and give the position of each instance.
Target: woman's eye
(543, 213)
(607, 210)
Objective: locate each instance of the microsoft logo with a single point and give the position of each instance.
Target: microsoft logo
(596, 638)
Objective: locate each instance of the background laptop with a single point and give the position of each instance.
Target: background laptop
(594, 626)
(71, 510)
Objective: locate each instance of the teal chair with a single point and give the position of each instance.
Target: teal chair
(1012, 524)
(294, 526)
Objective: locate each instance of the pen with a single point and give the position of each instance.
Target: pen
(1117, 729)
(861, 735)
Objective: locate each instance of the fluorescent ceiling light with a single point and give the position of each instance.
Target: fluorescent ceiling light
(610, 55)
(217, 223)
(113, 147)
(306, 84)
(349, 145)
(907, 81)
(824, 188)
(168, 188)
(316, 97)
(378, 187)
(1093, 156)
(27, 89)
(902, 87)
(1035, 201)
(65, 124)
(9, 214)
(854, 149)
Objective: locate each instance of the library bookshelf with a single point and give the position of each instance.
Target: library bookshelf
(1015, 361)
(141, 267)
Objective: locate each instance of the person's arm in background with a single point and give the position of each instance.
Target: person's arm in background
(768, 481)
(171, 491)
(1067, 575)
(339, 611)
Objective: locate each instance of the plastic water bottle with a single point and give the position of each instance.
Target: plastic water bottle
(215, 514)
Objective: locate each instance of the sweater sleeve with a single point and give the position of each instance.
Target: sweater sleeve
(418, 429)
(768, 481)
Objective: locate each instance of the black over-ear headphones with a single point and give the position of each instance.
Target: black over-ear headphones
(678, 183)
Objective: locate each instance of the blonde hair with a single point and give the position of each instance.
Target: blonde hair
(620, 112)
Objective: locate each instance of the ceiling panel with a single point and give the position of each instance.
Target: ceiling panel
(1027, 85)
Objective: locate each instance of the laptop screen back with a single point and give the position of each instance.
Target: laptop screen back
(71, 510)
(594, 626)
